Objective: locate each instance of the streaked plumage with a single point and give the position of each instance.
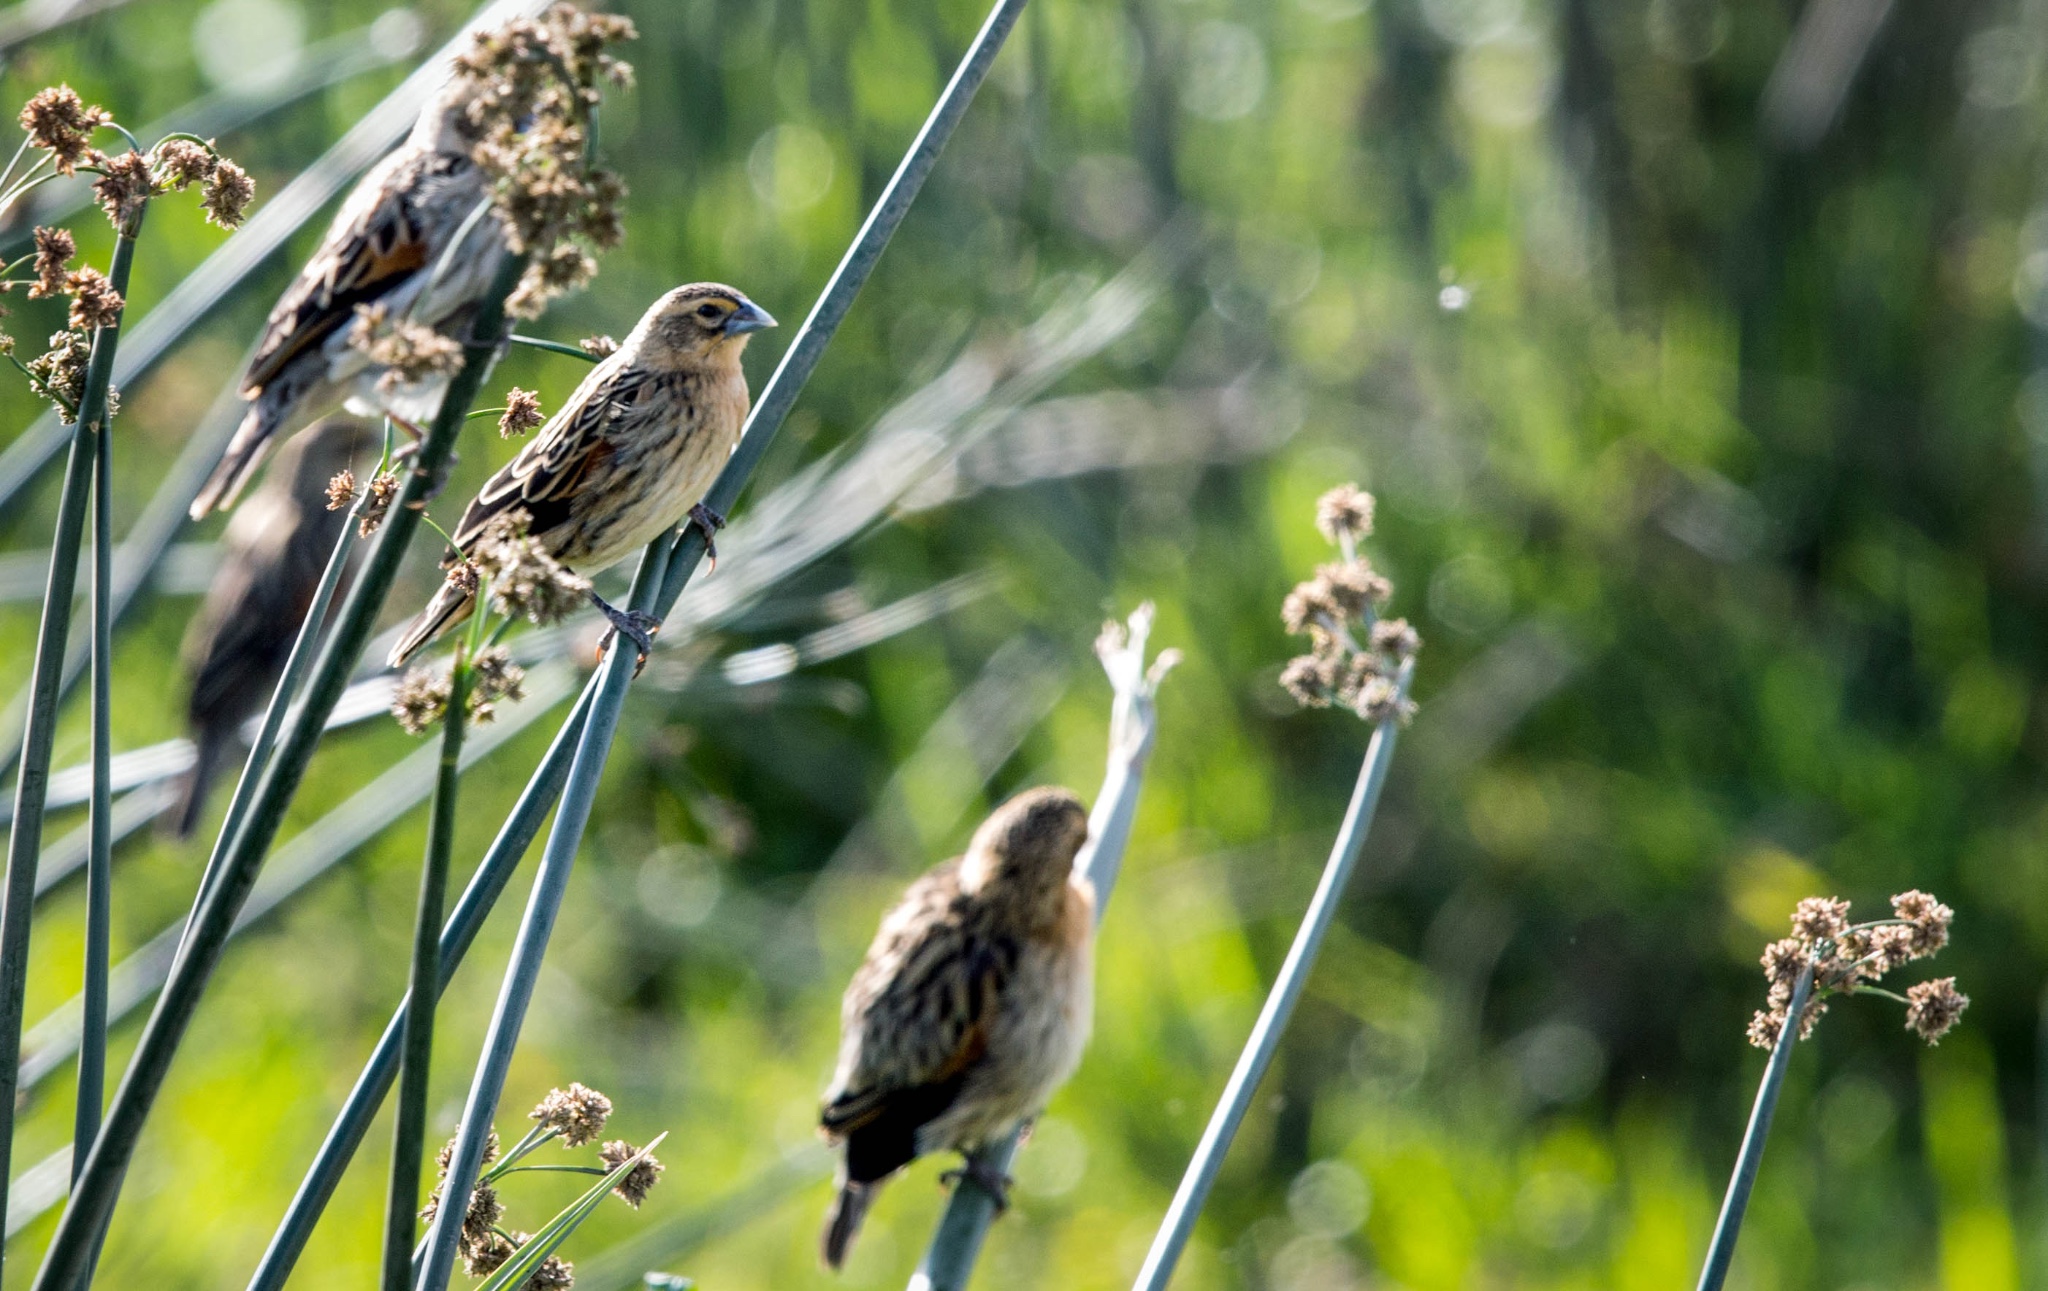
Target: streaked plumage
(972, 1006)
(272, 556)
(386, 243)
(636, 445)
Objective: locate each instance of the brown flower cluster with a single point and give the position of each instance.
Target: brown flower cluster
(1848, 959)
(129, 180)
(407, 351)
(54, 251)
(535, 84)
(59, 122)
(577, 1114)
(598, 347)
(633, 1186)
(522, 413)
(524, 580)
(481, 1236)
(421, 698)
(1345, 595)
(58, 373)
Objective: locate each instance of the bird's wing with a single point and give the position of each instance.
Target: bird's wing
(389, 229)
(549, 473)
(917, 1014)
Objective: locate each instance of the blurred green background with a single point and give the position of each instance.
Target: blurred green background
(1690, 348)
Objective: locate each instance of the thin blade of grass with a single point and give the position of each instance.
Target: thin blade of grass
(557, 1230)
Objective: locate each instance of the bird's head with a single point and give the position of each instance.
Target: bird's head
(1031, 840)
(698, 322)
(444, 124)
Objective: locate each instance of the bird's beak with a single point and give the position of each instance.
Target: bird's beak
(749, 317)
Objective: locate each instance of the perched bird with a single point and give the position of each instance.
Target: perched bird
(632, 451)
(388, 249)
(971, 1008)
(272, 555)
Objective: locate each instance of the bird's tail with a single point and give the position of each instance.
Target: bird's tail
(213, 750)
(245, 452)
(842, 1222)
(449, 607)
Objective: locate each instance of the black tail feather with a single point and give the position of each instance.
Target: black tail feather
(842, 1222)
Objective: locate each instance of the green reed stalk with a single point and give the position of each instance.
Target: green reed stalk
(92, 1202)
(1264, 1040)
(1721, 1251)
(670, 568)
(32, 785)
(99, 859)
(409, 1133)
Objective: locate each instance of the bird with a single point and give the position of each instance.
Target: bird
(275, 548)
(393, 246)
(632, 451)
(972, 1006)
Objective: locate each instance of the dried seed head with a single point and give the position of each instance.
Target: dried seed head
(1820, 918)
(494, 677)
(181, 163)
(577, 1113)
(1344, 512)
(1380, 700)
(1928, 921)
(341, 490)
(1765, 1028)
(522, 413)
(485, 1210)
(1311, 679)
(59, 372)
(94, 302)
(124, 188)
(447, 1152)
(60, 123)
(524, 579)
(383, 490)
(54, 251)
(1309, 607)
(1933, 1007)
(553, 1274)
(462, 577)
(482, 1260)
(1782, 961)
(408, 351)
(633, 1186)
(420, 700)
(598, 347)
(1396, 638)
(226, 195)
(1353, 588)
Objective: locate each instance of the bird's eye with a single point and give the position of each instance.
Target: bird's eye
(708, 312)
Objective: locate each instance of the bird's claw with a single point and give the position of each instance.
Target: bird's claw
(985, 1176)
(710, 522)
(634, 625)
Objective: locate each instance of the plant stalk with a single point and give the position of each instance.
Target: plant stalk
(353, 1121)
(409, 1133)
(99, 858)
(1721, 1251)
(1264, 1041)
(92, 1203)
(32, 784)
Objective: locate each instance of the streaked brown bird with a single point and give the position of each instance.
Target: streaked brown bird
(632, 451)
(272, 555)
(388, 243)
(971, 1008)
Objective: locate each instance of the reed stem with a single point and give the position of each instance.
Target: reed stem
(99, 858)
(1264, 1041)
(1721, 1251)
(99, 1187)
(408, 1136)
(32, 784)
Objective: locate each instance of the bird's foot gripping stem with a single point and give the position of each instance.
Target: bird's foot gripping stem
(710, 522)
(985, 1176)
(634, 625)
